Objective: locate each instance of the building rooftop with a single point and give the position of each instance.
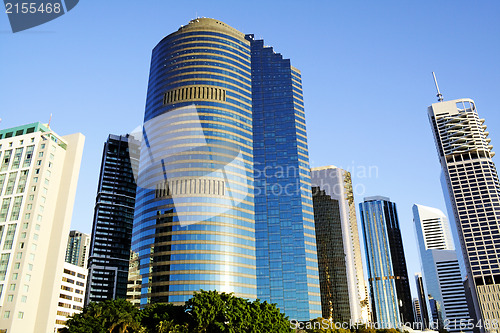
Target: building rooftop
(376, 198)
(24, 129)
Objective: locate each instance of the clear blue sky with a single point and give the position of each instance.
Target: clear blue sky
(366, 69)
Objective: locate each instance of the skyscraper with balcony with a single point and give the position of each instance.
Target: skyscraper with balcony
(338, 185)
(215, 124)
(77, 250)
(441, 271)
(473, 194)
(38, 177)
(387, 273)
(113, 219)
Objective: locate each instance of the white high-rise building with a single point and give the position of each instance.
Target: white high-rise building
(440, 268)
(38, 178)
(71, 294)
(473, 194)
(337, 183)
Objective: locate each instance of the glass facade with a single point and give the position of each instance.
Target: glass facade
(77, 250)
(387, 273)
(337, 184)
(194, 224)
(223, 115)
(287, 266)
(113, 219)
(331, 257)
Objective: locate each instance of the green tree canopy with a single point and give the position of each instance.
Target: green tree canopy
(205, 312)
(213, 312)
(163, 318)
(112, 316)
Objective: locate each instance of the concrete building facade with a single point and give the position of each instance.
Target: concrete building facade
(440, 267)
(472, 190)
(38, 178)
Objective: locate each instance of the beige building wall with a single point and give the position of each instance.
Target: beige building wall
(34, 263)
(71, 293)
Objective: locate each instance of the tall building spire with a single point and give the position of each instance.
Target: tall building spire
(439, 96)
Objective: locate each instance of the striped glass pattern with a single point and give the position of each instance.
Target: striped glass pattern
(194, 218)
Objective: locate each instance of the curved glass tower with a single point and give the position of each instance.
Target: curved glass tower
(194, 224)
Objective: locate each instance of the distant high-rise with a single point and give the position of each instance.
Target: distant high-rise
(338, 185)
(71, 294)
(38, 178)
(331, 257)
(387, 273)
(224, 198)
(425, 313)
(77, 250)
(473, 194)
(113, 218)
(441, 271)
(417, 312)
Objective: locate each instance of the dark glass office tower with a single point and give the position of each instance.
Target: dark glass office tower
(113, 218)
(331, 257)
(287, 269)
(422, 300)
(387, 273)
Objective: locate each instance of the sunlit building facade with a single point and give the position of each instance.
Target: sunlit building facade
(387, 274)
(287, 266)
(441, 271)
(194, 224)
(472, 190)
(77, 250)
(71, 294)
(206, 217)
(38, 177)
(331, 257)
(337, 183)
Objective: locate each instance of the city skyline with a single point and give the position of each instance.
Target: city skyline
(384, 177)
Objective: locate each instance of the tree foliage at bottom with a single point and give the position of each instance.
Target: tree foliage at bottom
(205, 312)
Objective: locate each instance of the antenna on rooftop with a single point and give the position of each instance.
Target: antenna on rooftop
(50, 119)
(439, 96)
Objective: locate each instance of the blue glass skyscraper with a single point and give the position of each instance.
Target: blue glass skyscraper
(387, 273)
(194, 225)
(223, 111)
(287, 266)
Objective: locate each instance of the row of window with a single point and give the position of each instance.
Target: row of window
(190, 93)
